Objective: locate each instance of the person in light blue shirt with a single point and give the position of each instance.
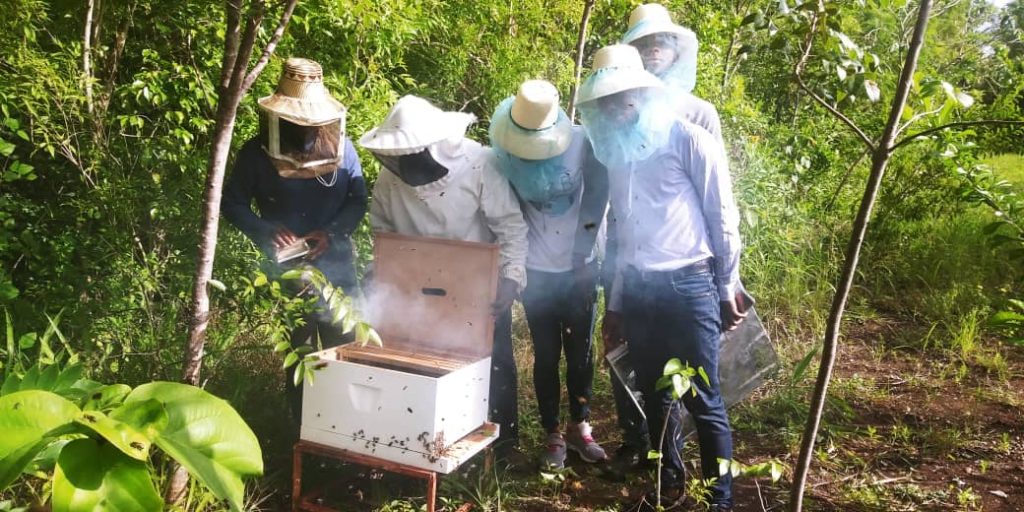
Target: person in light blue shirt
(550, 164)
(678, 248)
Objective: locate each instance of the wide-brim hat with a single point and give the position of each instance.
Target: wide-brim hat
(531, 125)
(650, 19)
(617, 68)
(301, 97)
(413, 124)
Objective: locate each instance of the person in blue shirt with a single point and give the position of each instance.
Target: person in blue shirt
(307, 182)
(677, 256)
(549, 163)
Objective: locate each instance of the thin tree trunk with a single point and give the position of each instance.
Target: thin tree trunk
(581, 42)
(236, 78)
(879, 161)
(86, 50)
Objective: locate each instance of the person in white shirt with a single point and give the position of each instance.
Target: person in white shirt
(669, 51)
(438, 183)
(678, 247)
(549, 163)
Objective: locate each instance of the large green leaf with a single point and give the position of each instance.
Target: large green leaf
(205, 435)
(125, 437)
(25, 419)
(91, 476)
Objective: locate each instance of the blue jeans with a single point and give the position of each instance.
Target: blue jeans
(672, 314)
(503, 395)
(560, 320)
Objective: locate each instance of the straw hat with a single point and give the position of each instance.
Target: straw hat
(617, 68)
(650, 19)
(531, 125)
(413, 124)
(301, 97)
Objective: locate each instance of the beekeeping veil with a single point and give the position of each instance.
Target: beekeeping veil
(625, 110)
(651, 28)
(417, 141)
(301, 125)
(530, 135)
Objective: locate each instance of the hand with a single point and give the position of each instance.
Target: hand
(583, 284)
(731, 316)
(508, 291)
(319, 240)
(283, 237)
(611, 330)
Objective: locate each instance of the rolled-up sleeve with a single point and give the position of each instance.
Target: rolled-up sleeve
(505, 219)
(709, 172)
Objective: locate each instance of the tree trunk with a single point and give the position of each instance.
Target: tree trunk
(879, 161)
(236, 78)
(581, 42)
(86, 51)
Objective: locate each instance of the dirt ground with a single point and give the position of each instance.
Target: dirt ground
(906, 429)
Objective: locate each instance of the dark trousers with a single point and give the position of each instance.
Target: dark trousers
(676, 314)
(560, 320)
(504, 398)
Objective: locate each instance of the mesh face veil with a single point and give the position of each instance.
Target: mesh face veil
(301, 151)
(546, 183)
(629, 126)
(672, 57)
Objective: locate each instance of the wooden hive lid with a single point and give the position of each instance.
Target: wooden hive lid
(435, 293)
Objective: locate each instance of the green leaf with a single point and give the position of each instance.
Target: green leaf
(704, 376)
(801, 367)
(294, 273)
(723, 466)
(290, 359)
(1004, 318)
(90, 476)
(26, 417)
(653, 455)
(362, 333)
(206, 436)
(48, 378)
(261, 280)
(871, 89)
(6, 148)
(663, 382)
(374, 337)
(27, 341)
(282, 346)
(217, 284)
(132, 427)
(107, 397)
(673, 365)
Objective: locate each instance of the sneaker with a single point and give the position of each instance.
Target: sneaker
(671, 499)
(628, 459)
(553, 456)
(580, 441)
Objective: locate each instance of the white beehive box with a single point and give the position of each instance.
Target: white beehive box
(415, 399)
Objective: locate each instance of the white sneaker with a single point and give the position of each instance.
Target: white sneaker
(579, 439)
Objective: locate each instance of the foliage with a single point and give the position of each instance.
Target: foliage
(97, 439)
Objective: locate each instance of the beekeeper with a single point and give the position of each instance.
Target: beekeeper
(549, 162)
(678, 251)
(440, 184)
(305, 177)
(669, 51)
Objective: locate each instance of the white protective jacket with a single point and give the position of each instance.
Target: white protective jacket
(472, 203)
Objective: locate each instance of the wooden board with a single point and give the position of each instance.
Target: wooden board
(434, 293)
(398, 358)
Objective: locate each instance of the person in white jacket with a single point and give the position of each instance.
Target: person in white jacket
(438, 183)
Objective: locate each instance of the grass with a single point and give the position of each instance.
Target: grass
(1009, 166)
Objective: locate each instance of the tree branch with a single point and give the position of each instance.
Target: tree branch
(252, 28)
(86, 50)
(911, 138)
(798, 70)
(233, 15)
(581, 41)
(271, 46)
